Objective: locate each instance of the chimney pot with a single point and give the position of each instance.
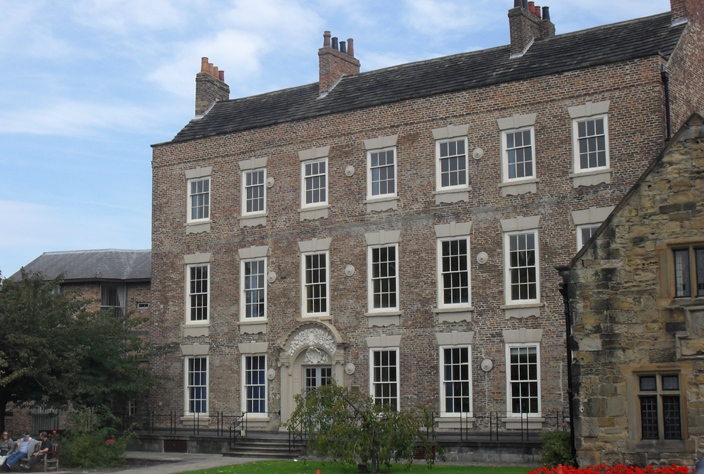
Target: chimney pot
(343, 47)
(531, 7)
(326, 39)
(222, 76)
(537, 11)
(525, 4)
(216, 72)
(546, 13)
(334, 42)
(203, 64)
(517, 3)
(350, 47)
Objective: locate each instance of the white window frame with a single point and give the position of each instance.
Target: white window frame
(245, 174)
(370, 279)
(245, 398)
(580, 238)
(206, 320)
(507, 267)
(304, 204)
(243, 290)
(438, 167)
(443, 394)
(575, 143)
(189, 216)
(304, 289)
(440, 279)
(505, 150)
(372, 383)
(509, 400)
(187, 386)
(370, 183)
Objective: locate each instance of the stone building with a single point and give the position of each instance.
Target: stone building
(397, 230)
(636, 293)
(118, 280)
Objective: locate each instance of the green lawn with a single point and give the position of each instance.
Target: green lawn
(300, 467)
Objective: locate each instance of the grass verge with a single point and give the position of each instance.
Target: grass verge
(300, 467)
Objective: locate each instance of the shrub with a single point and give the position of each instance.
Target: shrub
(556, 449)
(92, 440)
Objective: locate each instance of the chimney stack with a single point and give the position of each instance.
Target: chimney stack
(210, 86)
(687, 10)
(335, 63)
(526, 24)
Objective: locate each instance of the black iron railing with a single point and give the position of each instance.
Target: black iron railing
(496, 425)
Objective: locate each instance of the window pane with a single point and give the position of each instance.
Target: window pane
(682, 275)
(649, 417)
(648, 383)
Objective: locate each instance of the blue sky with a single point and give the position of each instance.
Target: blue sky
(88, 85)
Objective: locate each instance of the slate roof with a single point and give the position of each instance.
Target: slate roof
(97, 265)
(617, 42)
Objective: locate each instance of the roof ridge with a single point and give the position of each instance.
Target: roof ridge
(55, 252)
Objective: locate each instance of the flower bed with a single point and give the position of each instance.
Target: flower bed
(620, 469)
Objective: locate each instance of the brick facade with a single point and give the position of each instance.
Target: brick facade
(631, 90)
(629, 327)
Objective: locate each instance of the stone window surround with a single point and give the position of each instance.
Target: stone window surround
(386, 317)
(253, 325)
(634, 443)
(578, 113)
(200, 225)
(253, 219)
(317, 210)
(187, 415)
(315, 246)
(587, 217)
(196, 329)
(522, 338)
(457, 193)
(516, 186)
(446, 340)
(666, 270)
(249, 349)
(453, 313)
(385, 201)
(521, 224)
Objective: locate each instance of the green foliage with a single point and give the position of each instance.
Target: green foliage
(92, 441)
(556, 448)
(351, 428)
(56, 353)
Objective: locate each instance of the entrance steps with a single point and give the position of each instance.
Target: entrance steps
(264, 445)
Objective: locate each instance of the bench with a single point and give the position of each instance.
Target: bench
(52, 463)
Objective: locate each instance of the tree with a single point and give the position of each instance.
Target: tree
(54, 352)
(350, 427)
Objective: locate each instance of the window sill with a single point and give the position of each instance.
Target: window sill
(517, 423)
(454, 315)
(452, 195)
(381, 203)
(514, 188)
(190, 419)
(668, 445)
(252, 220)
(522, 310)
(384, 319)
(253, 326)
(591, 178)
(198, 227)
(313, 213)
(316, 317)
(452, 421)
(196, 330)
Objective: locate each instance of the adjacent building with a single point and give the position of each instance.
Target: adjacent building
(636, 293)
(397, 230)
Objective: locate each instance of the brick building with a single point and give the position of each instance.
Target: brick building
(118, 280)
(636, 294)
(397, 230)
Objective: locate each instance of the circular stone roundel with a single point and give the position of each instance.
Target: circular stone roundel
(271, 277)
(349, 171)
(482, 258)
(478, 153)
(271, 374)
(349, 368)
(270, 182)
(349, 270)
(487, 365)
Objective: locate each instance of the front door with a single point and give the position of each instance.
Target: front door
(318, 376)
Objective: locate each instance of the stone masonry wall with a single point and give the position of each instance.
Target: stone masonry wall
(626, 321)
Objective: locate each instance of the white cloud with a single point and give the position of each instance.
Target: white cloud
(26, 32)
(71, 118)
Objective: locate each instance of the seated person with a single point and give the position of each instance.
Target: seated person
(6, 446)
(22, 449)
(43, 450)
